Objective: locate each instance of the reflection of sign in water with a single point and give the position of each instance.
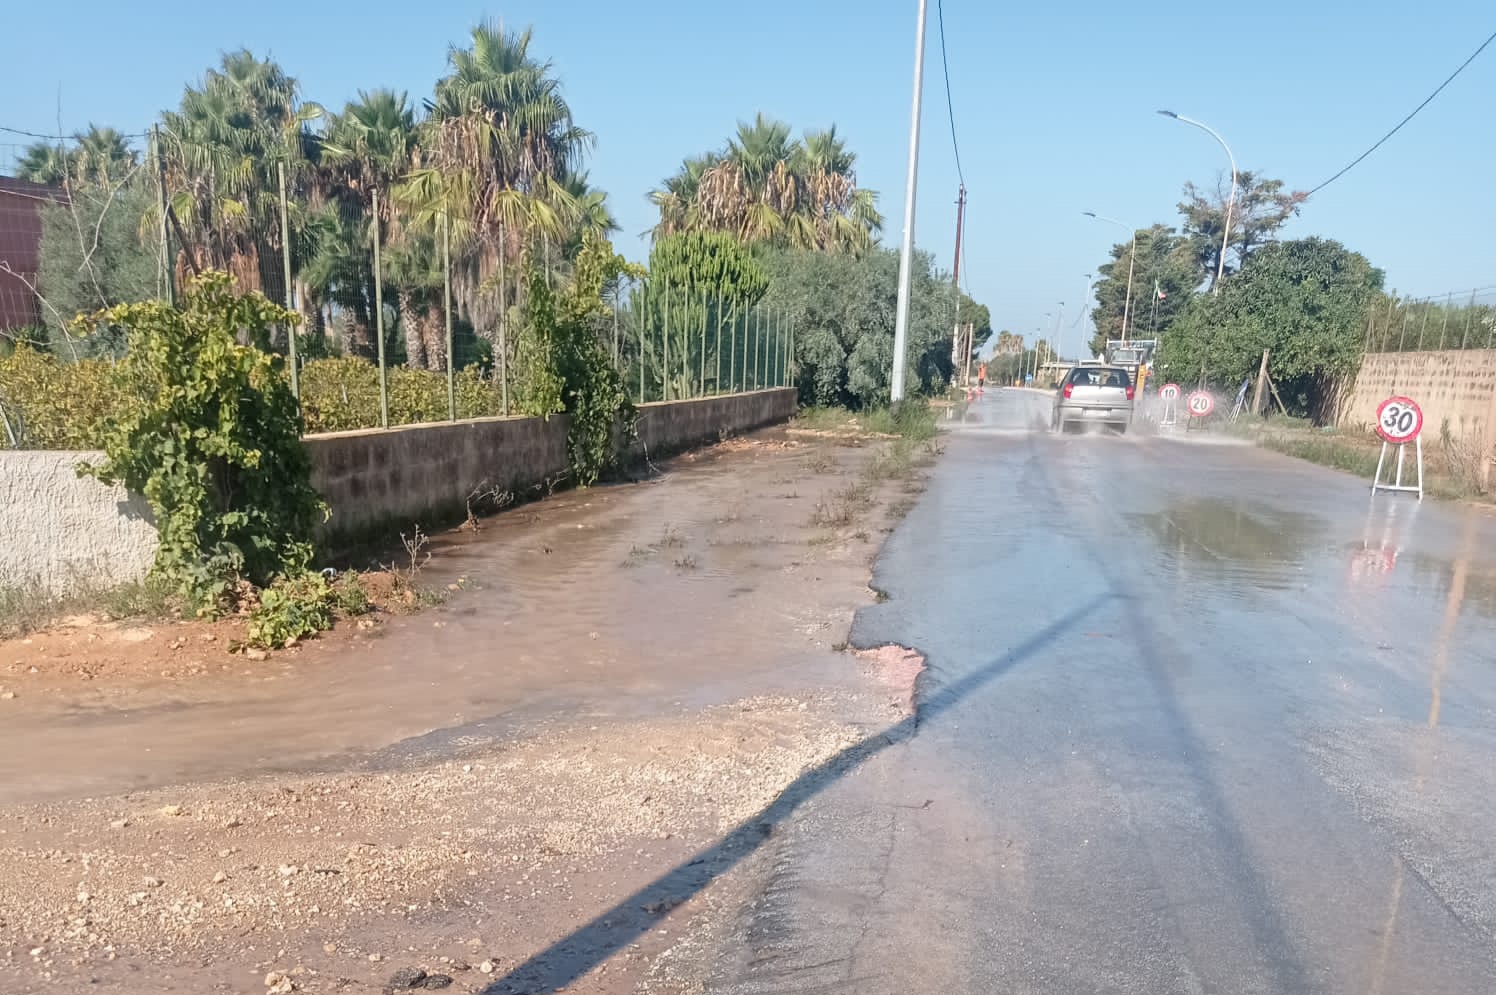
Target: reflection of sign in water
(1399, 420)
(1200, 404)
(1169, 392)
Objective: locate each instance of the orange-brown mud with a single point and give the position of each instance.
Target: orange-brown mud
(620, 678)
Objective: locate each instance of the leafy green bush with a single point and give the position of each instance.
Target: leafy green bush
(562, 363)
(211, 438)
(49, 404)
(297, 607)
(290, 610)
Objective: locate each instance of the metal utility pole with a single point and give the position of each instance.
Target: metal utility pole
(956, 276)
(906, 249)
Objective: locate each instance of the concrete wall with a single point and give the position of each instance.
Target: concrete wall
(665, 427)
(1457, 385)
(63, 533)
(424, 473)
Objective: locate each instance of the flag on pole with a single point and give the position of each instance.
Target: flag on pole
(1158, 292)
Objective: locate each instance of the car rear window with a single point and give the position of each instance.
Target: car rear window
(1099, 377)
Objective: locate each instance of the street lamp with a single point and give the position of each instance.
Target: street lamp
(1058, 331)
(1226, 233)
(1132, 257)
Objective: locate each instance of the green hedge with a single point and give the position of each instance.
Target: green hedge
(342, 394)
(56, 405)
(52, 405)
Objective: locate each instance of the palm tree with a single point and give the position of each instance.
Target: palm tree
(371, 146)
(43, 162)
(221, 149)
(500, 133)
(767, 187)
(100, 155)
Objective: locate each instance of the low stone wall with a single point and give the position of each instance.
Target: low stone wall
(670, 426)
(424, 473)
(63, 533)
(1453, 386)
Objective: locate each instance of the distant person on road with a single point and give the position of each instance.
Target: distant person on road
(982, 375)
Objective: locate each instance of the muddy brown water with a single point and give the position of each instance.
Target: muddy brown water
(695, 587)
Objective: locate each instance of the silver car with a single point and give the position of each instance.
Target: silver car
(1094, 395)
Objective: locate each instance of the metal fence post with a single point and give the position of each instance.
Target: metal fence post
(168, 264)
(717, 381)
(703, 343)
(758, 333)
(665, 349)
(280, 168)
(1448, 303)
(503, 331)
(1427, 305)
(1469, 313)
(447, 307)
(640, 312)
(732, 350)
(384, 388)
(789, 367)
(617, 295)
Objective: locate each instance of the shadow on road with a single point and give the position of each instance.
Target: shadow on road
(571, 957)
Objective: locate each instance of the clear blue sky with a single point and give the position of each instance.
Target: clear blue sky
(1054, 106)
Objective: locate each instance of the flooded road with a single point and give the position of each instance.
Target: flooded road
(1198, 718)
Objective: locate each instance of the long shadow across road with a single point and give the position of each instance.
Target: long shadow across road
(577, 953)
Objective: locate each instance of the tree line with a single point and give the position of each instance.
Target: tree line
(1306, 300)
(482, 182)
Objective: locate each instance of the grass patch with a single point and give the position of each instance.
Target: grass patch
(27, 608)
(1452, 467)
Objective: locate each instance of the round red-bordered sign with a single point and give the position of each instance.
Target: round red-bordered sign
(1200, 404)
(1399, 420)
(1169, 392)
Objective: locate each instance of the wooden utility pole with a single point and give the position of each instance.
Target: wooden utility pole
(1261, 384)
(956, 278)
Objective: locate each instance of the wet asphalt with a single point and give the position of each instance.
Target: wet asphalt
(1198, 718)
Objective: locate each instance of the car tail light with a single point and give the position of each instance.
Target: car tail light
(1130, 392)
(1070, 386)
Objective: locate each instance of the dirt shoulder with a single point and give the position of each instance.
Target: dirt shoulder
(622, 678)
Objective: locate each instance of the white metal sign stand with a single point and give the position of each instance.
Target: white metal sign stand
(1199, 404)
(1399, 422)
(1169, 394)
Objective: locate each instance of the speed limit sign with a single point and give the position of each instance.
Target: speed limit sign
(1169, 392)
(1399, 420)
(1200, 403)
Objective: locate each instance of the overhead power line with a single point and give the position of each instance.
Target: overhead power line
(62, 138)
(950, 107)
(1427, 100)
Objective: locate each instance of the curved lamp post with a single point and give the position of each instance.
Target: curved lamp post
(1132, 257)
(1226, 233)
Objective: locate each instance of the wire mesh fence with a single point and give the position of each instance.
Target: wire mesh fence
(405, 312)
(681, 342)
(1463, 319)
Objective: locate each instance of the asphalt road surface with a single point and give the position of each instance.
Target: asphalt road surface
(1199, 718)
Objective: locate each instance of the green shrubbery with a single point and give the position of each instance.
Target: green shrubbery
(47, 404)
(342, 394)
(210, 437)
(52, 404)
